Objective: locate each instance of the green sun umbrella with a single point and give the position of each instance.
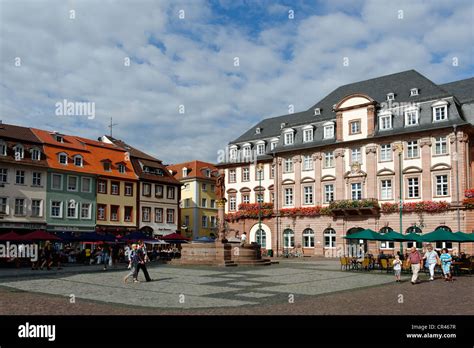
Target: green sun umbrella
(466, 237)
(368, 234)
(441, 235)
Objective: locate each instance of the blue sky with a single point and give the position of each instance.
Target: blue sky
(188, 63)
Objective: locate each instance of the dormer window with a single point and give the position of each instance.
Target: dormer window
(411, 117)
(233, 152)
(440, 111)
(273, 143)
(282, 125)
(261, 148)
(246, 150)
(390, 96)
(308, 134)
(413, 92)
(159, 172)
(185, 172)
(35, 154)
(328, 130)
(62, 158)
(3, 148)
(317, 111)
(146, 169)
(19, 152)
(59, 138)
(289, 137)
(385, 121)
(207, 172)
(258, 130)
(121, 168)
(78, 161)
(107, 166)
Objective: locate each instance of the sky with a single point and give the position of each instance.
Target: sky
(181, 79)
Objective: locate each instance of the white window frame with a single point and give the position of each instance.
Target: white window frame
(173, 215)
(413, 149)
(40, 208)
(3, 148)
(331, 234)
(288, 195)
(19, 151)
(76, 210)
(77, 183)
(440, 143)
(445, 112)
(121, 168)
(23, 207)
(232, 203)
(289, 137)
(328, 131)
(52, 181)
(385, 151)
(288, 165)
(413, 185)
(356, 155)
(383, 123)
(308, 135)
(35, 154)
(204, 221)
(89, 210)
(20, 174)
(81, 161)
(356, 191)
(232, 175)
(3, 175)
(408, 113)
(60, 216)
(260, 149)
(4, 206)
(307, 162)
(246, 150)
(386, 189)
(308, 238)
(328, 193)
(442, 186)
(329, 159)
(245, 198)
(308, 195)
(63, 155)
(246, 174)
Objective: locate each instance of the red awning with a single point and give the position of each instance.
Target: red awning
(12, 236)
(40, 235)
(174, 236)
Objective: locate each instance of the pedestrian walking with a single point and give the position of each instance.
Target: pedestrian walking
(415, 260)
(397, 268)
(243, 239)
(47, 253)
(432, 259)
(446, 260)
(105, 255)
(132, 264)
(142, 260)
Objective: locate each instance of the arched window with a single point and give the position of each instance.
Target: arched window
(19, 152)
(308, 238)
(414, 229)
(288, 238)
(62, 158)
(329, 238)
(441, 245)
(261, 238)
(386, 245)
(78, 161)
(35, 154)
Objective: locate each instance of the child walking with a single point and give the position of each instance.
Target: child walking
(446, 260)
(133, 264)
(397, 268)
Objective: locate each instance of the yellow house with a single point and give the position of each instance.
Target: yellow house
(198, 198)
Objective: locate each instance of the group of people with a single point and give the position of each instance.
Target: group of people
(431, 259)
(137, 259)
(49, 256)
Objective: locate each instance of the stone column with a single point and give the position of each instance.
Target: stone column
(397, 147)
(297, 173)
(340, 170)
(317, 165)
(339, 126)
(426, 182)
(371, 120)
(371, 166)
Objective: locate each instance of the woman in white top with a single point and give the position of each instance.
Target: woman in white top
(432, 259)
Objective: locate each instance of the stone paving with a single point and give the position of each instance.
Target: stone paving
(188, 287)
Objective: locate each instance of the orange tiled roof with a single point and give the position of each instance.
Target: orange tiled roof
(195, 169)
(93, 153)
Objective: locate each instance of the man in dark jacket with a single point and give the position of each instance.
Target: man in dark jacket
(142, 260)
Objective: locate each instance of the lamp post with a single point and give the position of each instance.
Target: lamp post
(400, 189)
(259, 199)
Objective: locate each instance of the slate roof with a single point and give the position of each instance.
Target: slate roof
(463, 90)
(134, 152)
(377, 88)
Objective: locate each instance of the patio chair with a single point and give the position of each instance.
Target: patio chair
(468, 267)
(344, 263)
(365, 264)
(384, 265)
(406, 267)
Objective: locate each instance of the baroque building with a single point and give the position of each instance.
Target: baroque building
(350, 160)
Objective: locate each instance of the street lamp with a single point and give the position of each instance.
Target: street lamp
(399, 147)
(259, 199)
